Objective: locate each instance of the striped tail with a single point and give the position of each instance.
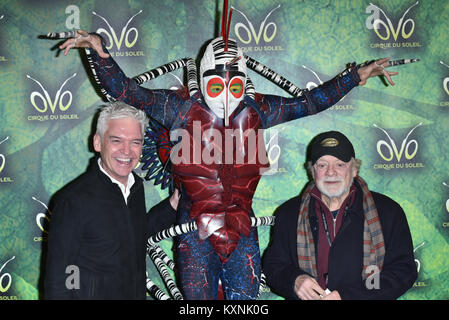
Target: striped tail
(170, 67)
(273, 76)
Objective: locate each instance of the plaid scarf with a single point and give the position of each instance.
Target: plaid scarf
(373, 240)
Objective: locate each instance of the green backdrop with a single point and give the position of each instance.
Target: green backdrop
(47, 102)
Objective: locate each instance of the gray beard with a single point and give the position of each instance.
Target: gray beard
(336, 195)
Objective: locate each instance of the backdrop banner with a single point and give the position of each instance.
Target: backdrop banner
(48, 100)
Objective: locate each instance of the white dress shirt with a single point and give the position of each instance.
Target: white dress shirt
(125, 189)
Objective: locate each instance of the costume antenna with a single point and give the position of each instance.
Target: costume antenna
(225, 24)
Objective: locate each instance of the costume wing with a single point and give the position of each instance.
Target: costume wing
(156, 155)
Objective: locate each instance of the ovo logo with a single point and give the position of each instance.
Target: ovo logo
(408, 148)
(124, 35)
(417, 262)
(42, 217)
(313, 84)
(446, 80)
(310, 85)
(390, 29)
(447, 201)
(268, 31)
(2, 58)
(2, 157)
(46, 100)
(4, 287)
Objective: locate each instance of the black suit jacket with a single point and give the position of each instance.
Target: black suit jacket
(95, 235)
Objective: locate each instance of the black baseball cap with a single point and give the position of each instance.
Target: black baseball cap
(331, 143)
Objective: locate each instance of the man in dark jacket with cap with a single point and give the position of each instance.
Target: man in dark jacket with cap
(339, 240)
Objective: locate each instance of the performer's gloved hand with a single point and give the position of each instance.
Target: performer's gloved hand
(377, 68)
(84, 40)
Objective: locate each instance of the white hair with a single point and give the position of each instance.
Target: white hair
(119, 110)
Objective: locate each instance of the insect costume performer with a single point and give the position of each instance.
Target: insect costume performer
(217, 179)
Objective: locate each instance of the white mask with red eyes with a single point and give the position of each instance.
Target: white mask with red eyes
(223, 77)
(220, 93)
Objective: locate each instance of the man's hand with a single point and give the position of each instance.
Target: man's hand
(377, 68)
(84, 40)
(334, 295)
(306, 288)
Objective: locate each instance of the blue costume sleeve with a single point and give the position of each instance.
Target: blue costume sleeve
(160, 104)
(277, 110)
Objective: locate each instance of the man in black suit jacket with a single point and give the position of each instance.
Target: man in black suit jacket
(99, 226)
